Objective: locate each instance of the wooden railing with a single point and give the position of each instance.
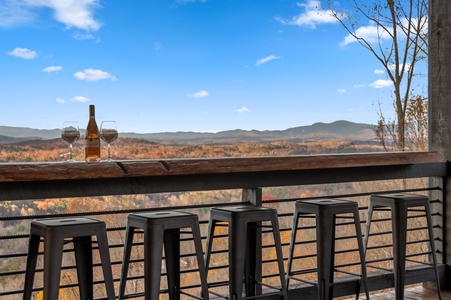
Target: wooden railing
(22, 181)
(19, 181)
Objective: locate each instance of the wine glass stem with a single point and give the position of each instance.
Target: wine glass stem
(70, 151)
(109, 156)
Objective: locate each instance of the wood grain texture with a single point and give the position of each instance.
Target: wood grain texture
(16, 172)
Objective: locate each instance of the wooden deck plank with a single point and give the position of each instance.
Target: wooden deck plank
(411, 293)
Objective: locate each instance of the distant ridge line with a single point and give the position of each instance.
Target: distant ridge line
(338, 130)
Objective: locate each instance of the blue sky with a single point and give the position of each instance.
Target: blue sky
(183, 65)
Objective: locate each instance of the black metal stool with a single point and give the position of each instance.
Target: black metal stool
(162, 229)
(399, 205)
(326, 211)
(242, 226)
(55, 232)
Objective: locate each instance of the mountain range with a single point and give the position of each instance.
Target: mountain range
(338, 130)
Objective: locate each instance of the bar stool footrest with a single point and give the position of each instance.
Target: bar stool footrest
(262, 296)
(424, 263)
(190, 295)
(379, 268)
(313, 283)
(219, 295)
(348, 273)
(268, 286)
(302, 272)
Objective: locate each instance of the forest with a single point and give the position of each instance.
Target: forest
(136, 148)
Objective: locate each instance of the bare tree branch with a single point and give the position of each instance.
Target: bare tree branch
(400, 27)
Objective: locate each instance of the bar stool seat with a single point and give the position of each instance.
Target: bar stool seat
(399, 204)
(162, 229)
(242, 224)
(326, 212)
(55, 233)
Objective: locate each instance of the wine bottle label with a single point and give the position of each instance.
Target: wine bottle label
(92, 143)
(92, 150)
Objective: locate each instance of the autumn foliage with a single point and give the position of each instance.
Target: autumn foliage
(132, 148)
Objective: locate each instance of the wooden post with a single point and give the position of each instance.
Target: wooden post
(254, 196)
(440, 105)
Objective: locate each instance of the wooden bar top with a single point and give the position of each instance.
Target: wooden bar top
(47, 171)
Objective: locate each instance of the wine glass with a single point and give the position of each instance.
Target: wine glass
(70, 134)
(108, 133)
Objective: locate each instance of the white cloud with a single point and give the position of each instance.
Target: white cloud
(379, 72)
(23, 53)
(359, 85)
(60, 100)
(266, 59)
(83, 36)
(341, 91)
(52, 69)
(418, 26)
(200, 94)
(79, 99)
(243, 110)
(93, 75)
(370, 33)
(393, 67)
(72, 13)
(14, 12)
(381, 83)
(313, 15)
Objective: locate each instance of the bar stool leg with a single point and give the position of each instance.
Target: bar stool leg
(399, 225)
(172, 255)
(83, 258)
(237, 255)
(152, 265)
(367, 228)
(104, 252)
(362, 256)
(250, 260)
(33, 247)
(126, 259)
(52, 266)
(325, 254)
(200, 259)
(278, 244)
(292, 245)
(209, 244)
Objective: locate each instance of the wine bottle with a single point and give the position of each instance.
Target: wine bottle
(92, 139)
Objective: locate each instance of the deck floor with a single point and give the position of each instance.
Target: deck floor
(411, 293)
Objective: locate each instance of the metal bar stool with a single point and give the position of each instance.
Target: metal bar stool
(162, 229)
(55, 233)
(399, 205)
(242, 222)
(325, 212)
